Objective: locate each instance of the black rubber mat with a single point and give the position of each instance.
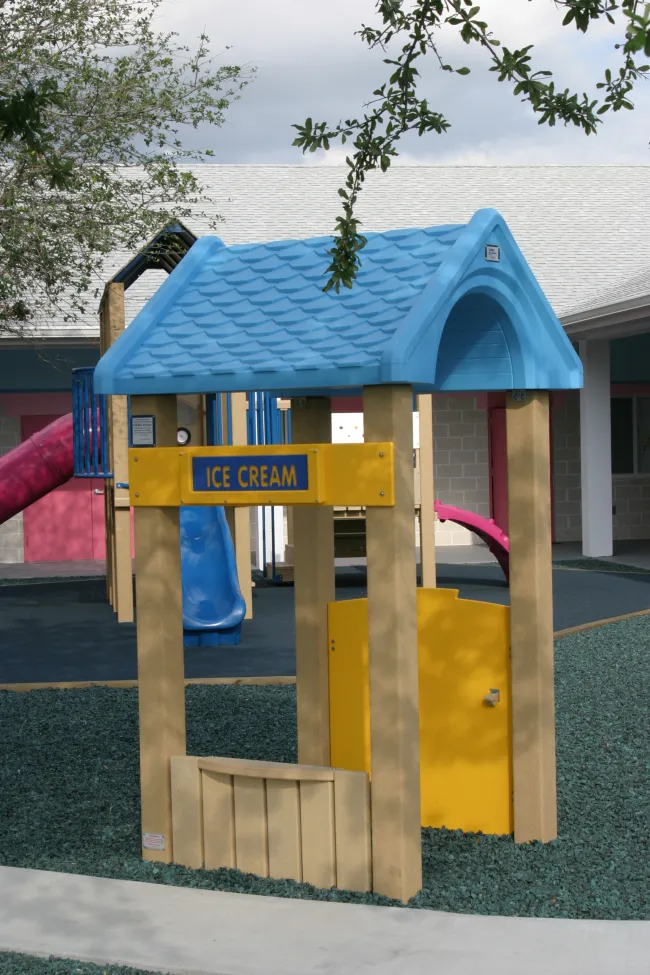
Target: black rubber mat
(65, 630)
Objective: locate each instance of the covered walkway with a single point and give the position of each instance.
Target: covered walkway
(200, 932)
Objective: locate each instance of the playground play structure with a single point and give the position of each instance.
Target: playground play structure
(412, 706)
(92, 442)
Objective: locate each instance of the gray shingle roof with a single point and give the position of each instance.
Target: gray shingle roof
(581, 228)
(627, 289)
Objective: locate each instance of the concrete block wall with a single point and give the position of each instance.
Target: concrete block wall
(11, 533)
(460, 454)
(565, 424)
(630, 492)
(631, 502)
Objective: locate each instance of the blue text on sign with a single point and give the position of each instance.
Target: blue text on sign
(273, 473)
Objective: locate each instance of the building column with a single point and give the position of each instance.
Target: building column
(596, 449)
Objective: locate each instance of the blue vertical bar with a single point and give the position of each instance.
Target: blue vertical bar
(260, 418)
(75, 414)
(219, 421)
(249, 400)
(95, 421)
(91, 425)
(86, 464)
(103, 429)
(210, 419)
(267, 431)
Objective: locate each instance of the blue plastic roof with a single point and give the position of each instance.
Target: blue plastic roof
(428, 308)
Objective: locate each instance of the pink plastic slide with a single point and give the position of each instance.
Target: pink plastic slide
(495, 539)
(35, 467)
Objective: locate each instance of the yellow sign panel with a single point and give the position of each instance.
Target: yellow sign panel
(323, 474)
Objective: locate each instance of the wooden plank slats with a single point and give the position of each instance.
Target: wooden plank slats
(271, 819)
(218, 821)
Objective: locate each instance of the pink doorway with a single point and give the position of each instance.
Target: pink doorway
(66, 525)
(499, 469)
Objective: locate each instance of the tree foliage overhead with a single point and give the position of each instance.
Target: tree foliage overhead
(397, 106)
(87, 89)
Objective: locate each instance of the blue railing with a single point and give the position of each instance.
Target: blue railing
(266, 424)
(215, 434)
(89, 427)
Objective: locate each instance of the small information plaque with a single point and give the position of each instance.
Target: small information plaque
(153, 841)
(143, 431)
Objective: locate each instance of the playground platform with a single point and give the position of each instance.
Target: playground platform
(59, 628)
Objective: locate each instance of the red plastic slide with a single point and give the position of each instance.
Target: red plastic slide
(493, 536)
(36, 467)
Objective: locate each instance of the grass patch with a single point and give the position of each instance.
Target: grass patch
(599, 565)
(69, 790)
(15, 964)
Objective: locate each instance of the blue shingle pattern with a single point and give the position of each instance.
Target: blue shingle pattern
(254, 316)
(262, 306)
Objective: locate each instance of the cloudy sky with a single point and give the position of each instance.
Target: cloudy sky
(310, 63)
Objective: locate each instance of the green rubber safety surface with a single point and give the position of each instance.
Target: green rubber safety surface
(15, 964)
(599, 565)
(69, 790)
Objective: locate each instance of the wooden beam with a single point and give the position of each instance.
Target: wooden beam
(242, 516)
(531, 617)
(118, 526)
(393, 656)
(313, 556)
(427, 519)
(159, 624)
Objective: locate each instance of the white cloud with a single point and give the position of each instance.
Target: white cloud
(311, 64)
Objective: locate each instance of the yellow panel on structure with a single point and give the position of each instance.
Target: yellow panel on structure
(324, 474)
(464, 700)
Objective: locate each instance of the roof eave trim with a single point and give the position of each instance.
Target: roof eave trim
(604, 316)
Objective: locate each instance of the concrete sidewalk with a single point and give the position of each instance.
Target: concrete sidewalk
(194, 932)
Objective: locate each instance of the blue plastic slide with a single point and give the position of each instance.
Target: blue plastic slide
(213, 606)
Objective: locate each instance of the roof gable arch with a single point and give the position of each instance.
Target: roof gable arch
(534, 353)
(479, 335)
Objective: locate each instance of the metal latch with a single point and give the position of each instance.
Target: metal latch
(493, 698)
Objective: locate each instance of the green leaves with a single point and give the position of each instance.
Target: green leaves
(92, 105)
(397, 108)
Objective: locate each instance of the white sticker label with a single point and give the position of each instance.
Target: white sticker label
(153, 841)
(492, 252)
(143, 431)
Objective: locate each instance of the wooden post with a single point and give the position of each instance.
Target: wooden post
(119, 562)
(239, 519)
(314, 587)
(288, 548)
(427, 520)
(531, 617)
(242, 516)
(190, 413)
(393, 656)
(161, 689)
